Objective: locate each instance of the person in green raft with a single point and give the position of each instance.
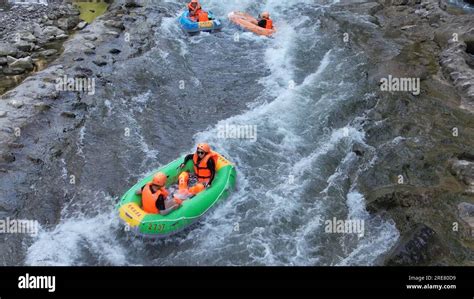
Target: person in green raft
(205, 162)
(155, 196)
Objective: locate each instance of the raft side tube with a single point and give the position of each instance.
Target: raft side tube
(191, 27)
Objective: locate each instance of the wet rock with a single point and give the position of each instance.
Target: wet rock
(68, 23)
(62, 36)
(466, 213)
(52, 33)
(90, 38)
(89, 52)
(27, 36)
(15, 104)
(100, 62)
(81, 25)
(6, 49)
(34, 159)
(42, 106)
(114, 24)
(456, 66)
(420, 247)
(113, 33)
(114, 51)
(47, 53)
(3, 61)
(132, 4)
(13, 71)
(90, 45)
(23, 63)
(83, 72)
(68, 114)
(464, 171)
(399, 2)
(15, 145)
(407, 27)
(7, 157)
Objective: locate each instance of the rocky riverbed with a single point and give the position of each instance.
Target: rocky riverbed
(423, 174)
(31, 36)
(420, 146)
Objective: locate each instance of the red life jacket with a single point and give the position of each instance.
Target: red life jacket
(149, 199)
(200, 169)
(269, 24)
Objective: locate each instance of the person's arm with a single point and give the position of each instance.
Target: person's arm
(186, 159)
(167, 203)
(140, 191)
(212, 167)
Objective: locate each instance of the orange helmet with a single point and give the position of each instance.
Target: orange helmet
(204, 147)
(159, 179)
(265, 15)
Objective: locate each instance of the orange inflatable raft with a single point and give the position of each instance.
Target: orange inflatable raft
(248, 22)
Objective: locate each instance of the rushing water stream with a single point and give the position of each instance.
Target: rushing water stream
(305, 93)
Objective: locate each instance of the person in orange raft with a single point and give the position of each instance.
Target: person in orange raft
(196, 13)
(155, 196)
(205, 161)
(264, 21)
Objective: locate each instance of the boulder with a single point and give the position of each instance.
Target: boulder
(52, 32)
(24, 46)
(68, 114)
(464, 171)
(68, 23)
(23, 63)
(42, 106)
(90, 45)
(13, 71)
(11, 60)
(6, 49)
(100, 62)
(466, 213)
(113, 33)
(90, 38)
(27, 37)
(114, 24)
(89, 52)
(419, 247)
(132, 4)
(48, 52)
(15, 104)
(7, 157)
(81, 25)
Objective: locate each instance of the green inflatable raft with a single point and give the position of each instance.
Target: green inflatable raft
(192, 209)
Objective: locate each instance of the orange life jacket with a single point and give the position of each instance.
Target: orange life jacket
(196, 10)
(200, 169)
(149, 199)
(203, 17)
(269, 24)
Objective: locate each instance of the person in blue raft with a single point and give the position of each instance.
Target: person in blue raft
(196, 14)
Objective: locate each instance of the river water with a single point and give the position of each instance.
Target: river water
(303, 91)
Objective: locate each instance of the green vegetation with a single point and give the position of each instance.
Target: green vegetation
(91, 10)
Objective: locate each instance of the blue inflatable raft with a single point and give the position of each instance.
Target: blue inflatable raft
(192, 27)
